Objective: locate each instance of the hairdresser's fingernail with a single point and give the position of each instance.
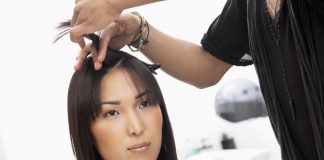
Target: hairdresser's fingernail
(77, 66)
(97, 65)
(100, 65)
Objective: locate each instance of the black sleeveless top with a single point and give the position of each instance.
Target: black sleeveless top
(288, 54)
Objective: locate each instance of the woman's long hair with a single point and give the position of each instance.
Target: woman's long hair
(84, 99)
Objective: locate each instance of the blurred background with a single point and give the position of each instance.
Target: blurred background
(227, 121)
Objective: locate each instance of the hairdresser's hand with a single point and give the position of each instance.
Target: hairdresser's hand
(90, 16)
(117, 34)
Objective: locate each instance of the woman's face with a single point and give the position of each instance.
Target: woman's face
(128, 127)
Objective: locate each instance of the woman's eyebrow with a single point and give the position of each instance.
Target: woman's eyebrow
(110, 102)
(142, 94)
(118, 102)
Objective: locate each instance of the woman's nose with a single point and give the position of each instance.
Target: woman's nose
(135, 125)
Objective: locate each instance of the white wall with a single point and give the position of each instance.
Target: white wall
(2, 149)
(35, 75)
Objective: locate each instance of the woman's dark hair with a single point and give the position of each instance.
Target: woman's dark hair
(84, 100)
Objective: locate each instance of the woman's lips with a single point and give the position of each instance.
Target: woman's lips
(140, 147)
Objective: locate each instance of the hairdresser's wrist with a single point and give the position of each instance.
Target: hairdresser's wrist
(137, 30)
(140, 39)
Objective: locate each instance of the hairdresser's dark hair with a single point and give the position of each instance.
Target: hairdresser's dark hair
(84, 100)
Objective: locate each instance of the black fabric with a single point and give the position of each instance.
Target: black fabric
(288, 56)
(230, 46)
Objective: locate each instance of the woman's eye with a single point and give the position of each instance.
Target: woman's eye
(144, 104)
(111, 113)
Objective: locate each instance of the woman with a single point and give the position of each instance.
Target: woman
(118, 112)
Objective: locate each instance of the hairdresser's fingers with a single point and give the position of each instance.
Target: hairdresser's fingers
(76, 14)
(102, 50)
(83, 24)
(79, 24)
(73, 19)
(127, 28)
(82, 56)
(113, 35)
(79, 6)
(94, 53)
(105, 37)
(76, 35)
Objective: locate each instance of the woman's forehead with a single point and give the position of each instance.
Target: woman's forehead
(121, 79)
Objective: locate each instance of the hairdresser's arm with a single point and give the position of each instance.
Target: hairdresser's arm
(183, 60)
(93, 15)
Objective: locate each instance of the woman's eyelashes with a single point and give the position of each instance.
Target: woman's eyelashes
(111, 113)
(144, 104)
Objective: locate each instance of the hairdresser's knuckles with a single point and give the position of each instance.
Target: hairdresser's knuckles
(88, 17)
(125, 30)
